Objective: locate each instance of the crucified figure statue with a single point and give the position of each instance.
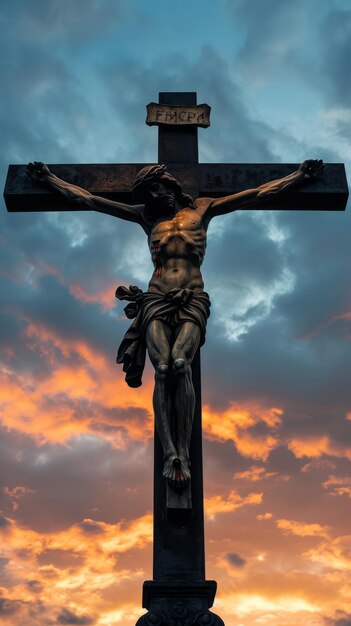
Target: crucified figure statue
(170, 317)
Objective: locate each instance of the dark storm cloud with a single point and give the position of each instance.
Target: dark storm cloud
(34, 271)
(335, 42)
(235, 559)
(39, 82)
(301, 350)
(66, 21)
(270, 364)
(323, 273)
(237, 136)
(244, 251)
(276, 36)
(309, 41)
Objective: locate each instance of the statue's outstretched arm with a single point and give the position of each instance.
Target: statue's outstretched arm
(219, 206)
(40, 173)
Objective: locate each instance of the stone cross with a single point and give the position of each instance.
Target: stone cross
(179, 594)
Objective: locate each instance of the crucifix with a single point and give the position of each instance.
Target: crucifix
(169, 319)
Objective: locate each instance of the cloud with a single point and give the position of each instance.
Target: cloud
(8, 607)
(315, 447)
(235, 559)
(254, 473)
(238, 424)
(341, 619)
(338, 485)
(76, 444)
(264, 516)
(76, 391)
(64, 483)
(218, 504)
(67, 585)
(258, 605)
(69, 23)
(67, 617)
(265, 50)
(318, 464)
(16, 494)
(332, 555)
(335, 45)
(302, 529)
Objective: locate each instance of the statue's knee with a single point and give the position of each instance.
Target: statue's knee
(180, 366)
(161, 370)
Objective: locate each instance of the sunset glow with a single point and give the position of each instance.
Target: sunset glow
(76, 445)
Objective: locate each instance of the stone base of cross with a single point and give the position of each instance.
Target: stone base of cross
(179, 593)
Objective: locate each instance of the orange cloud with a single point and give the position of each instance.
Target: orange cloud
(254, 473)
(89, 575)
(302, 529)
(80, 391)
(264, 516)
(277, 587)
(315, 447)
(122, 615)
(338, 485)
(104, 297)
(235, 424)
(243, 604)
(333, 555)
(234, 501)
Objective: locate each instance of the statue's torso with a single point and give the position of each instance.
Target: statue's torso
(177, 247)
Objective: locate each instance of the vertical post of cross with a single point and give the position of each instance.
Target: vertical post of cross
(179, 590)
(178, 144)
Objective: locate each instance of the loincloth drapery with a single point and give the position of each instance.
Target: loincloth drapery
(173, 308)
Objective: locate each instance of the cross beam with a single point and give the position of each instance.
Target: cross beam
(328, 192)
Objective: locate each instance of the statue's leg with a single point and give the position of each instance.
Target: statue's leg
(184, 349)
(158, 337)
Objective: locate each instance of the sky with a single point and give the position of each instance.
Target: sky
(76, 443)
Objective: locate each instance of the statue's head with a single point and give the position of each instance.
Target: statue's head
(158, 190)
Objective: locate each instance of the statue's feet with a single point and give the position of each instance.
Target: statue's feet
(177, 473)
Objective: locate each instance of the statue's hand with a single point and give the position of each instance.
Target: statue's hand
(312, 167)
(38, 171)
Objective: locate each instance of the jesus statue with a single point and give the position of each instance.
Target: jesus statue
(169, 319)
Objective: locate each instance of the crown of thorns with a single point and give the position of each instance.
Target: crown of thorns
(151, 173)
